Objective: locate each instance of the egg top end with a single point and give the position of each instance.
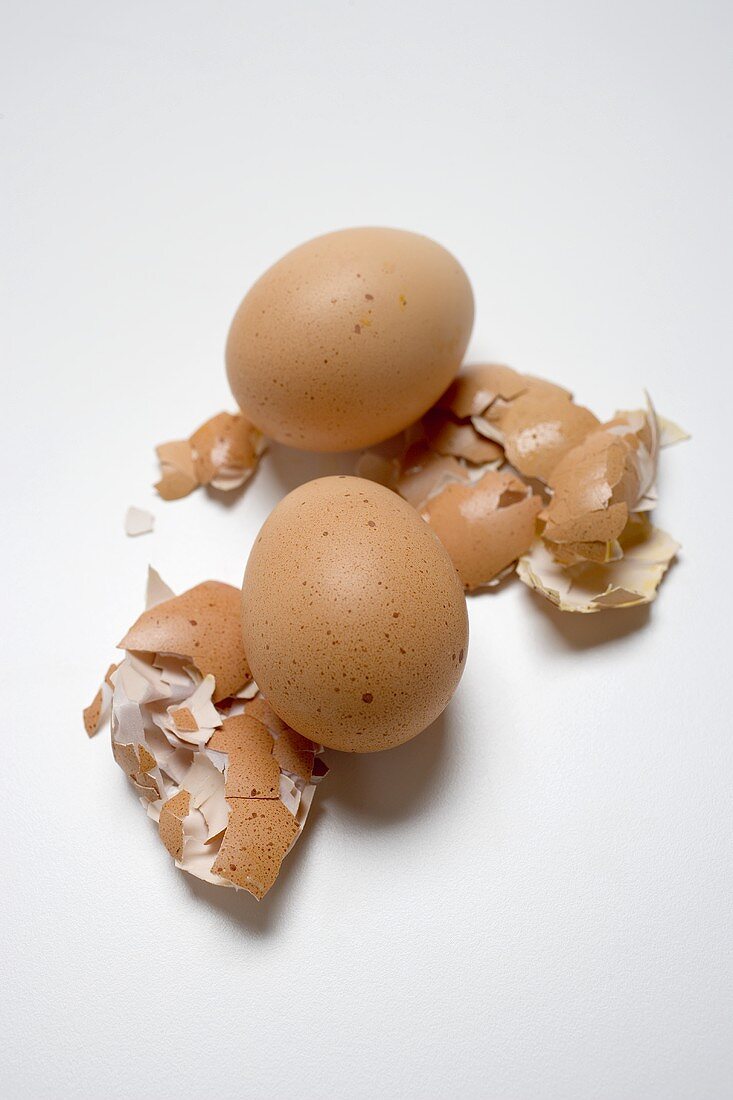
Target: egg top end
(349, 338)
(354, 620)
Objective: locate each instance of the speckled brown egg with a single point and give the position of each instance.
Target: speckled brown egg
(349, 338)
(354, 619)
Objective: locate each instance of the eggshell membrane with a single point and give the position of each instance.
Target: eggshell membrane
(354, 618)
(485, 526)
(586, 587)
(138, 521)
(349, 338)
(203, 625)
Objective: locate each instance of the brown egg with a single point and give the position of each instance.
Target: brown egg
(354, 619)
(349, 338)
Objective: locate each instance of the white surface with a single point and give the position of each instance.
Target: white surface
(534, 898)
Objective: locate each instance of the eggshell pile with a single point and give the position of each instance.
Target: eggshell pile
(354, 619)
(575, 531)
(228, 783)
(349, 338)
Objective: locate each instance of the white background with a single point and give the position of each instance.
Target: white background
(533, 899)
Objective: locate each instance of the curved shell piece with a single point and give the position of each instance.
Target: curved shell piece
(485, 526)
(202, 625)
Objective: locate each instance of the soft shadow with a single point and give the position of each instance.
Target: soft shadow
(493, 589)
(378, 788)
(384, 787)
(261, 918)
(257, 918)
(228, 498)
(293, 468)
(578, 631)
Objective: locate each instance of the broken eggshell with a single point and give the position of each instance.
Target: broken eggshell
(588, 587)
(597, 475)
(98, 710)
(484, 518)
(484, 526)
(203, 623)
(536, 422)
(223, 452)
(447, 436)
(138, 521)
(230, 793)
(599, 484)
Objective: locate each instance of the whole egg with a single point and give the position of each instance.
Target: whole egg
(354, 619)
(349, 338)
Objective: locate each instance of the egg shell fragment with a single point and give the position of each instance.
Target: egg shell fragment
(422, 474)
(598, 484)
(478, 386)
(203, 625)
(257, 839)
(184, 757)
(223, 452)
(540, 426)
(485, 526)
(170, 824)
(446, 436)
(349, 338)
(98, 709)
(252, 771)
(354, 618)
(586, 587)
(225, 449)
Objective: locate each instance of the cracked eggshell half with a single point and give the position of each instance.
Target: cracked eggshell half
(349, 338)
(354, 619)
(202, 625)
